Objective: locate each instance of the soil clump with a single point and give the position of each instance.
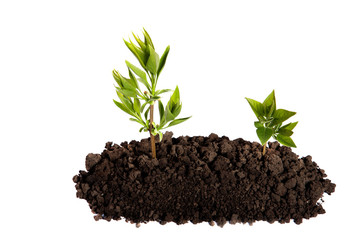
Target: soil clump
(202, 179)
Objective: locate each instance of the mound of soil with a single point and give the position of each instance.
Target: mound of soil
(198, 179)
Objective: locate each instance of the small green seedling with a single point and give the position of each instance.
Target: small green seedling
(139, 104)
(270, 121)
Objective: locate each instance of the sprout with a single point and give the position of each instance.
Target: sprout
(271, 120)
(140, 104)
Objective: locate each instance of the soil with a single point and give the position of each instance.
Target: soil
(202, 179)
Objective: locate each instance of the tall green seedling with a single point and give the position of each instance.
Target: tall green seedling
(270, 121)
(139, 104)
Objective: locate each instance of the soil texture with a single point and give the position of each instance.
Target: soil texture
(202, 179)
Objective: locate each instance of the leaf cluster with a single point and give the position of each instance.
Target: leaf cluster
(136, 102)
(270, 121)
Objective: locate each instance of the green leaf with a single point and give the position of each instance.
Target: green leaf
(147, 112)
(153, 61)
(141, 43)
(168, 115)
(158, 92)
(270, 99)
(137, 120)
(143, 129)
(128, 93)
(290, 126)
(173, 107)
(264, 134)
(124, 82)
(285, 132)
(125, 109)
(161, 111)
(177, 109)
(258, 124)
(257, 107)
(133, 80)
(136, 70)
(140, 55)
(270, 104)
(125, 100)
(178, 121)
(281, 115)
(160, 136)
(117, 78)
(137, 106)
(148, 39)
(175, 97)
(140, 73)
(285, 140)
(163, 60)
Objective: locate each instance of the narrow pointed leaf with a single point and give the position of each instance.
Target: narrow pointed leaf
(152, 63)
(117, 78)
(178, 121)
(281, 115)
(269, 99)
(290, 126)
(285, 140)
(158, 92)
(175, 97)
(139, 55)
(168, 115)
(141, 43)
(264, 134)
(257, 107)
(163, 60)
(133, 80)
(136, 120)
(176, 111)
(146, 113)
(270, 104)
(125, 109)
(138, 72)
(143, 55)
(137, 106)
(126, 83)
(126, 101)
(285, 132)
(128, 93)
(161, 110)
(148, 39)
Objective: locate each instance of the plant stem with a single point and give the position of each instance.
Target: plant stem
(264, 149)
(152, 138)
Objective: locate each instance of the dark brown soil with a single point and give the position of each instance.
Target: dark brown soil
(201, 179)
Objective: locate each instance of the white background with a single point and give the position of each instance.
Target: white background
(56, 92)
